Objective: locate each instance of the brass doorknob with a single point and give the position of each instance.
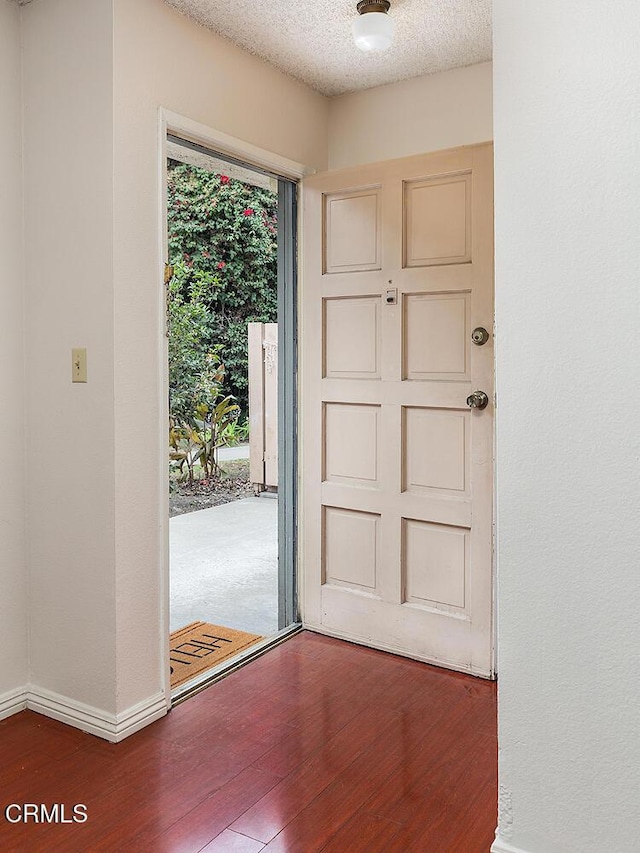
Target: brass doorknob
(480, 336)
(477, 400)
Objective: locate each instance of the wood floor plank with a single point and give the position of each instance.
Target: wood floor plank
(314, 826)
(294, 750)
(210, 817)
(454, 812)
(40, 734)
(319, 746)
(364, 833)
(281, 805)
(233, 842)
(318, 722)
(172, 798)
(428, 771)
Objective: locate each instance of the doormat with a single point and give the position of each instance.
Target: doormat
(200, 646)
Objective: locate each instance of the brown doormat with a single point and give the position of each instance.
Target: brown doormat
(200, 646)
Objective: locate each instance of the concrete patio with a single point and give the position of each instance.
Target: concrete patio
(224, 566)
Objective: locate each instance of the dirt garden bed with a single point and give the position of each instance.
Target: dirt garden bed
(232, 485)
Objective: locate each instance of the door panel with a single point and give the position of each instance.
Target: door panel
(351, 444)
(435, 451)
(351, 548)
(352, 231)
(352, 337)
(397, 470)
(436, 336)
(437, 221)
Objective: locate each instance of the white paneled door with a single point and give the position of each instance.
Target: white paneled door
(397, 465)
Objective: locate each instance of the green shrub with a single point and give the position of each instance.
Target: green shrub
(223, 245)
(195, 439)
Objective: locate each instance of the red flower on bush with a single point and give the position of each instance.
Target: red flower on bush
(221, 265)
(224, 179)
(248, 211)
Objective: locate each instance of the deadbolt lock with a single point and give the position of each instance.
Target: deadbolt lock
(477, 400)
(479, 336)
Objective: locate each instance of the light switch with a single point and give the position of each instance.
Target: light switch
(79, 365)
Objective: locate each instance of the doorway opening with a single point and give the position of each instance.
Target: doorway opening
(231, 328)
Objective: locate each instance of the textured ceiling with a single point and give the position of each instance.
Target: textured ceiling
(311, 40)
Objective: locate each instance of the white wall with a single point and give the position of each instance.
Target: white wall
(13, 576)
(412, 117)
(69, 303)
(567, 149)
(96, 74)
(95, 472)
(164, 59)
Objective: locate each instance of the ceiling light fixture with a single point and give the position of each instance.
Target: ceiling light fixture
(373, 28)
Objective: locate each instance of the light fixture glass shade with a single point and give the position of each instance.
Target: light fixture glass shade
(373, 31)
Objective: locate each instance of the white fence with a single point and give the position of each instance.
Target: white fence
(263, 405)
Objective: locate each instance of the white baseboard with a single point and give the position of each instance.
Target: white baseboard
(500, 846)
(111, 727)
(141, 715)
(13, 701)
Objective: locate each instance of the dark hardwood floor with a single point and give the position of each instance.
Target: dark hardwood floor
(319, 745)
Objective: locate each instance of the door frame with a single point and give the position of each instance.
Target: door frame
(176, 125)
